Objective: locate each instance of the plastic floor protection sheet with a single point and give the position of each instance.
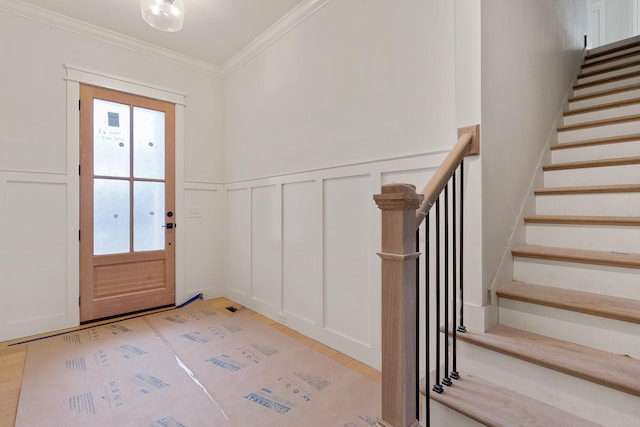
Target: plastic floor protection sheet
(189, 367)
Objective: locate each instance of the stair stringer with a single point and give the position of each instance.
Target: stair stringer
(504, 270)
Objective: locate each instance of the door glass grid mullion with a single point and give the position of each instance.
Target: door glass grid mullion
(129, 178)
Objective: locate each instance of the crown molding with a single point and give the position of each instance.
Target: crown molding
(285, 24)
(44, 16)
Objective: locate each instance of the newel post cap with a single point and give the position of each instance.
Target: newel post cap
(397, 196)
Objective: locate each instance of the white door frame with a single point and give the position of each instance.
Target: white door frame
(636, 18)
(599, 6)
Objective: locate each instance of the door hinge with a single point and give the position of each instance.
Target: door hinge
(79, 104)
(78, 234)
(79, 298)
(79, 170)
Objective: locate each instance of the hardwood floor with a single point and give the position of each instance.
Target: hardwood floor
(11, 367)
(13, 356)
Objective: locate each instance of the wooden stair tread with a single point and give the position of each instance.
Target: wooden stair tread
(612, 50)
(624, 309)
(615, 371)
(612, 59)
(604, 92)
(599, 107)
(603, 122)
(597, 141)
(496, 406)
(607, 80)
(626, 188)
(593, 163)
(582, 256)
(583, 220)
(608, 69)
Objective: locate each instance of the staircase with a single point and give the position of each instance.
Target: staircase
(566, 351)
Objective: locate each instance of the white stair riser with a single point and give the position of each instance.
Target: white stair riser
(609, 113)
(444, 416)
(592, 204)
(607, 74)
(605, 175)
(607, 86)
(612, 55)
(582, 398)
(604, 99)
(592, 237)
(609, 130)
(592, 331)
(606, 280)
(608, 64)
(596, 152)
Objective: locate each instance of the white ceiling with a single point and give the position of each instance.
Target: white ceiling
(214, 30)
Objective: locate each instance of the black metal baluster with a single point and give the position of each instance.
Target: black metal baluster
(462, 328)
(446, 380)
(438, 387)
(417, 373)
(454, 372)
(427, 296)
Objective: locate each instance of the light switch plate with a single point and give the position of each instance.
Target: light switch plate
(193, 212)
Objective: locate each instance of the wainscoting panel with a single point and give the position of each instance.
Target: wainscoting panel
(33, 267)
(266, 251)
(302, 249)
(302, 252)
(238, 254)
(203, 219)
(348, 257)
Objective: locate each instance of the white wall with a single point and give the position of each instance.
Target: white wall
(38, 172)
(619, 20)
(613, 20)
(530, 54)
(358, 80)
(313, 125)
(468, 104)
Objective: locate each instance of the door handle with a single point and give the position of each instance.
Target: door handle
(169, 225)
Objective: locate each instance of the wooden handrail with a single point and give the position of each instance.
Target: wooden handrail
(468, 144)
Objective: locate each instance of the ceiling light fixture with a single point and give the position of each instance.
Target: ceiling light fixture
(165, 15)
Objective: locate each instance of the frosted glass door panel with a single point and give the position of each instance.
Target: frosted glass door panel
(110, 216)
(148, 216)
(111, 138)
(148, 143)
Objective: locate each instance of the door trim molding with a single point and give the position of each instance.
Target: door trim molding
(123, 84)
(76, 75)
